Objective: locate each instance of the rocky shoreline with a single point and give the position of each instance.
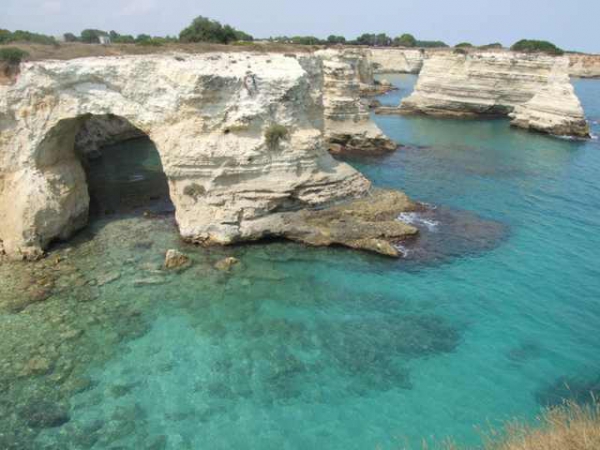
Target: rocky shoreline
(533, 90)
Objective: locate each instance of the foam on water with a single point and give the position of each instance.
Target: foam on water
(417, 219)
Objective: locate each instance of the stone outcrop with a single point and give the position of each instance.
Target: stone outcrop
(555, 109)
(584, 66)
(370, 223)
(397, 60)
(348, 125)
(207, 115)
(493, 84)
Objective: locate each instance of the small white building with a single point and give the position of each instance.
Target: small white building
(104, 40)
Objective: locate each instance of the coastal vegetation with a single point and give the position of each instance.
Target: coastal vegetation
(7, 37)
(276, 133)
(203, 29)
(464, 45)
(570, 426)
(535, 46)
(12, 55)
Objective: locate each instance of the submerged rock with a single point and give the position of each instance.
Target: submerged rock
(174, 259)
(44, 414)
(226, 264)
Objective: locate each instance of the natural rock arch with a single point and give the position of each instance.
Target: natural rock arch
(209, 129)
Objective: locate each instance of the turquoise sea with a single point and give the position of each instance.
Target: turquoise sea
(494, 314)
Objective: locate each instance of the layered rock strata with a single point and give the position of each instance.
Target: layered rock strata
(475, 84)
(397, 60)
(348, 125)
(584, 66)
(210, 117)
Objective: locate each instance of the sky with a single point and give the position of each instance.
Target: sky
(572, 25)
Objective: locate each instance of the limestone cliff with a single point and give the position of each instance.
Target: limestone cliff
(348, 125)
(397, 60)
(584, 66)
(208, 116)
(471, 84)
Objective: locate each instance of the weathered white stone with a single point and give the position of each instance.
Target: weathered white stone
(207, 115)
(485, 83)
(348, 124)
(397, 60)
(584, 66)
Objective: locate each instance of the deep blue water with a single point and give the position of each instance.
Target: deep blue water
(302, 348)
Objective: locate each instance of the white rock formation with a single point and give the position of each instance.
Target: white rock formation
(485, 83)
(584, 66)
(99, 131)
(207, 115)
(348, 124)
(397, 60)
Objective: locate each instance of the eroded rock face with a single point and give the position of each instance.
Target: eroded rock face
(473, 84)
(207, 115)
(98, 131)
(397, 60)
(584, 66)
(348, 125)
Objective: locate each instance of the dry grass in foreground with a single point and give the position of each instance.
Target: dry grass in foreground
(567, 427)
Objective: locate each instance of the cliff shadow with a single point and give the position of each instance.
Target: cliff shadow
(121, 167)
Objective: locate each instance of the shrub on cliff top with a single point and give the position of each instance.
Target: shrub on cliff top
(12, 55)
(463, 45)
(406, 40)
(275, 133)
(25, 36)
(533, 46)
(203, 29)
(491, 46)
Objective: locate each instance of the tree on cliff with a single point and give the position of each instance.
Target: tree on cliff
(203, 29)
(70, 37)
(91, 36)
(406, 40)
(377, 40)
(534, 46)
(333, 39)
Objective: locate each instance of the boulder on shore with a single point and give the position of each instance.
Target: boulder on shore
(174, 259)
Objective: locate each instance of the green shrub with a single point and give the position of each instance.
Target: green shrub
(91, 36)
(406, 40)
(12, 55)
(491, 46)
(25, 36)
(431, 44)
(463, 45)
(203, 29)
(275, 133)
(534, 46)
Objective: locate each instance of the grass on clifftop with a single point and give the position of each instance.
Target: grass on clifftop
(570, 426)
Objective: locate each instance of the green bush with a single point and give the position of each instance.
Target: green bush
(431, 44)
(91, 36)
(25, 36)
(463, 45)
(406, 40)
(275, 133)
(491, 46)
(534, 46)
(12, 55)
(203, 29)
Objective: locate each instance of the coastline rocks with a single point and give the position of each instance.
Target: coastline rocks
(174, 259)
(554, 110)
(348, 125)
(493, 84)
(369, 224)
(207, 115)
(584, 66)
(397, 60)
(99, 131)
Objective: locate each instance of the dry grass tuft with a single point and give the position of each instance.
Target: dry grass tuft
(567, 427)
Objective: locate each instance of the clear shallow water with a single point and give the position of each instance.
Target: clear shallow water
(300, 348)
